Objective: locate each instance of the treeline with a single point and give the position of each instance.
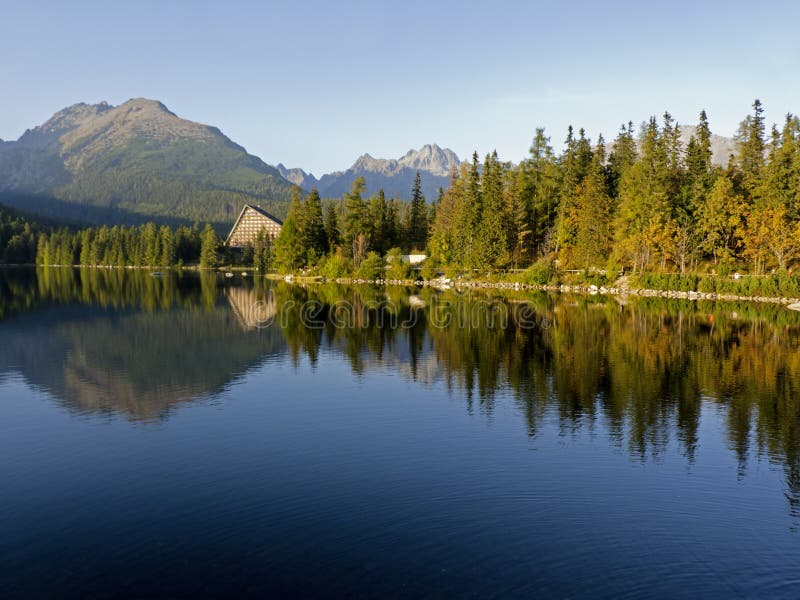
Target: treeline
(147, 245)
(345, 234)
(647, 203)
(650, 204)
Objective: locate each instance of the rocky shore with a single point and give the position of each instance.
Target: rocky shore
(791, 303)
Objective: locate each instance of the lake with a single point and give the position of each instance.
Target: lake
(187, 435)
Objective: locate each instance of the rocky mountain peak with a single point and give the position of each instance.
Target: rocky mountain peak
(394, 176)
(431, 158)
(366, 162)
(61, 122)
(298, 177)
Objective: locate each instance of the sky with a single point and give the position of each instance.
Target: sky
(316, 84)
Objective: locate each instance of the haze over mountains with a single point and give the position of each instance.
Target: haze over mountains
(138, 161)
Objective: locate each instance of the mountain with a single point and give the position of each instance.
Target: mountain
(134, 162)
(394, 176)
(298, 177)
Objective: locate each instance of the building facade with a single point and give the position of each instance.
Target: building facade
(252, 220)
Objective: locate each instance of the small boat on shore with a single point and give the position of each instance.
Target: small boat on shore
(228, 274)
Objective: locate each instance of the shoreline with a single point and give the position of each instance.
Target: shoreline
(446, 284)
(591, 290)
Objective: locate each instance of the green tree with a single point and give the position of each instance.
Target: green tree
(622, 158)
(332, 226)
(593, 232)
(209, 244)
(418, 217)
(491, 238)
(539, 191)
(290, 253)
(167, 239)
(355, 230)
(750, 149)
(644, 203)
(315, 240)
(720, 219)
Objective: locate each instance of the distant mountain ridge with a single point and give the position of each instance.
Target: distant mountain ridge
(394, 176)
(135, 161)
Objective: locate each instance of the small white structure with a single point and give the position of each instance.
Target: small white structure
(413, 259)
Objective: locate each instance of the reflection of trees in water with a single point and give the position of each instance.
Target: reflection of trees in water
(644, 368)
(641, 370)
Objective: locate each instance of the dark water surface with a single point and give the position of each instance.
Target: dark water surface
(189, 436)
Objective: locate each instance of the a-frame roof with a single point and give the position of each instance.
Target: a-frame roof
(259, 210)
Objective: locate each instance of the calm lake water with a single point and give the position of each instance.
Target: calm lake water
(189, 436)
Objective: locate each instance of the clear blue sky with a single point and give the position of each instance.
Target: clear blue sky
(315, 84)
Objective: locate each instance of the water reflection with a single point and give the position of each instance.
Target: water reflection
(110, 341)
(132, 344)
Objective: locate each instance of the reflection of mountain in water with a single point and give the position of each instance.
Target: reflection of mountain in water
(137, 363)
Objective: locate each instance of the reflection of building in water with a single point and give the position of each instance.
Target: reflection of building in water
(142, 365)
(251, 311)
(252, 221)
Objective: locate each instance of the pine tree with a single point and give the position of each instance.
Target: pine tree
(539, 191)
(446, 235)
(208, 248)
(621, 159)
(150, 243)
(418, 217)
(355, 226)
(262, 252)
(491, 241)
(86, 247)
(167, 246)
(290, 252)
(332, 226)
(750, 149)
(644, 204)
(471, 216)
(575, 167)
(593, 231)
(315, 239)
(519, 218)
(781, 178)
(674, 172)
(720, 219)
(699, 170)
(377, 214)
